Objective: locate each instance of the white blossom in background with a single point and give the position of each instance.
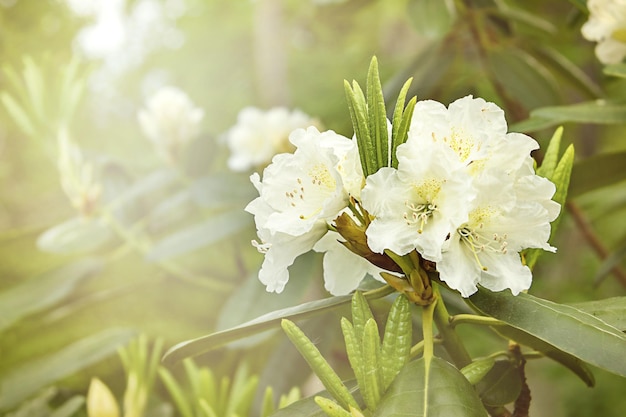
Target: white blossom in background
(78, 177)
(607, 27)
(299, 195)
(259, 135)
(170, 120)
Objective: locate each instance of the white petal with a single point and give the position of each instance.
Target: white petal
(505, 271)
(458, 268)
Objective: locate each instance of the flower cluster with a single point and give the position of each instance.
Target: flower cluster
(607, 26)
(464, 196)
(259, 135)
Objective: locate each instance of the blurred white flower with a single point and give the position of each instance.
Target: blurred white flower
(607, 26)
(170, 120)
(259, 135)
(300, 194)
(77, 176)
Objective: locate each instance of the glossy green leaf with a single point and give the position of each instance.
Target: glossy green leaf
(610, 310)
(200, 235)
(598, 171)
(574, 364)
(598, 111)
(19, 383)
(377, 116)
(319, 365)
(76, 236)
(397, 340)
(501, 385)
(616, 70)
(432, 19)
(372, 386)
(268, 321)
(524, 77)
(562, 326)
(443, 392)
(44, 291)
(477, 370)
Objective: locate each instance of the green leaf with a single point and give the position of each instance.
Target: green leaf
(18, 114)
(571, 362)
(377, 116)
(401, 121)
(268, 321)
(319, 365)
(501, 385)
(598, 171)
(33, 80)
(19, 383)
(79, 235)
(616, 70)
(358, 114)
(176, 392)
(353, 349)
(443, 393)
(361, 313)
(397, 340)
(477, 370)
(524, 17)
(371, 389)
(331, 408)
(432, 19)
(200, 235)
(616, 256)
(598, 111)
(533, 124)
(551, 157)
(39, 293)
(609, 310)
(562, 326)
(69, 407)
(562, 65)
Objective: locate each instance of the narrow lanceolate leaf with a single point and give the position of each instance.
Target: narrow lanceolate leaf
(268, 321)
(372, 388)
(401, 121)
(561, 179)
(599, 111)
(562, 326)
(377, 116)
(551, 157)
(353, 349)
(397, 340)
(361, 313)
(331, 408)
(319, 365)
(444, 393)
(358, 113)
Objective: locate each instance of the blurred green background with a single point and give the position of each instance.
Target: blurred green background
(167, 257)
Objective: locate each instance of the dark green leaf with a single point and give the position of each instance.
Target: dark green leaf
(477, 370)
(377, 116)
(616, 70)
(598, 111)
(200, 235)
(571, 362)
(268, 321)
(598, 171)
(432, 19)
(501, 385)
(610, 310)
(562, 326)
(19, 383)
(44, 291)
(445, 393)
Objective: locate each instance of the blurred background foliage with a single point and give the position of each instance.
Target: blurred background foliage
(164, 251)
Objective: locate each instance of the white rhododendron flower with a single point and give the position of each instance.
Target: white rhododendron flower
(607, 26)
(170, 120)
(259, 135)
(300, 194)
(464, 196)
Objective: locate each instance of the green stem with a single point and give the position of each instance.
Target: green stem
(450, 339)
(403, 262)
(474, 319)
(377, 293)
(427, 329)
